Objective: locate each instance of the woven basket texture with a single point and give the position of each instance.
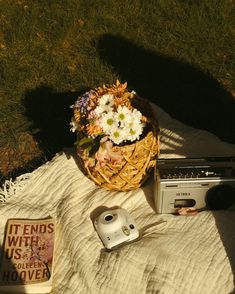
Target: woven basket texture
(138, 160)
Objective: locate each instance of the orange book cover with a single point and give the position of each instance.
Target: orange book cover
(27, 256)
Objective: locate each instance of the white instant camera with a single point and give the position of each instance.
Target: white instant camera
(115, 227)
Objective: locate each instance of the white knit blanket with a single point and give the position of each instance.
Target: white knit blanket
(176, 255)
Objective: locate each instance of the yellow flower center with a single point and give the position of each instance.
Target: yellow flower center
(132, 132)
(121, 116)
(116, 134)
(110, 121)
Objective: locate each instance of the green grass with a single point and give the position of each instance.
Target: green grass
(52, 50)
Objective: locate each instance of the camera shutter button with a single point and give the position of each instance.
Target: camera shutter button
(125, 230)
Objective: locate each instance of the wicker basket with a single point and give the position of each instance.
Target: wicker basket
(136, 158)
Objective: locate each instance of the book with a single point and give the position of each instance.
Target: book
(27, 256)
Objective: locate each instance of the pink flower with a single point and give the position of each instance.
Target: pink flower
(92, 115)
(106, 153)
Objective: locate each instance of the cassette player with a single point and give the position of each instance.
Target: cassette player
(196, 182)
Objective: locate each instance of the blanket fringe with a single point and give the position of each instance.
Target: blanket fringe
(10, 187)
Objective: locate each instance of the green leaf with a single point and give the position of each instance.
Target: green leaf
(84, 141)
(88, 149)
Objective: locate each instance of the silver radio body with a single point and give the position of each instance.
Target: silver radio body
(186, 182)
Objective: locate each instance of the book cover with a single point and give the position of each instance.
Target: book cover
(27, 256)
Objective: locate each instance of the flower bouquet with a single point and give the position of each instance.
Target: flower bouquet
(117, 136)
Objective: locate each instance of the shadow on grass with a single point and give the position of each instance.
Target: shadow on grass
(50, 114)
(185, 92)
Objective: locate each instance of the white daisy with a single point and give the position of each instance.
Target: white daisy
(134, 132)
(137, 114)
(116, 136)
(123, 115)
(108, 122)
(105, 104)
(134, 119)
(106, 100)
(99, 110)
(73, 126)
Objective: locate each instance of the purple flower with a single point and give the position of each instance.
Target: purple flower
(82, 102)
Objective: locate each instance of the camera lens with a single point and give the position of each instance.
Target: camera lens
(108, 217)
